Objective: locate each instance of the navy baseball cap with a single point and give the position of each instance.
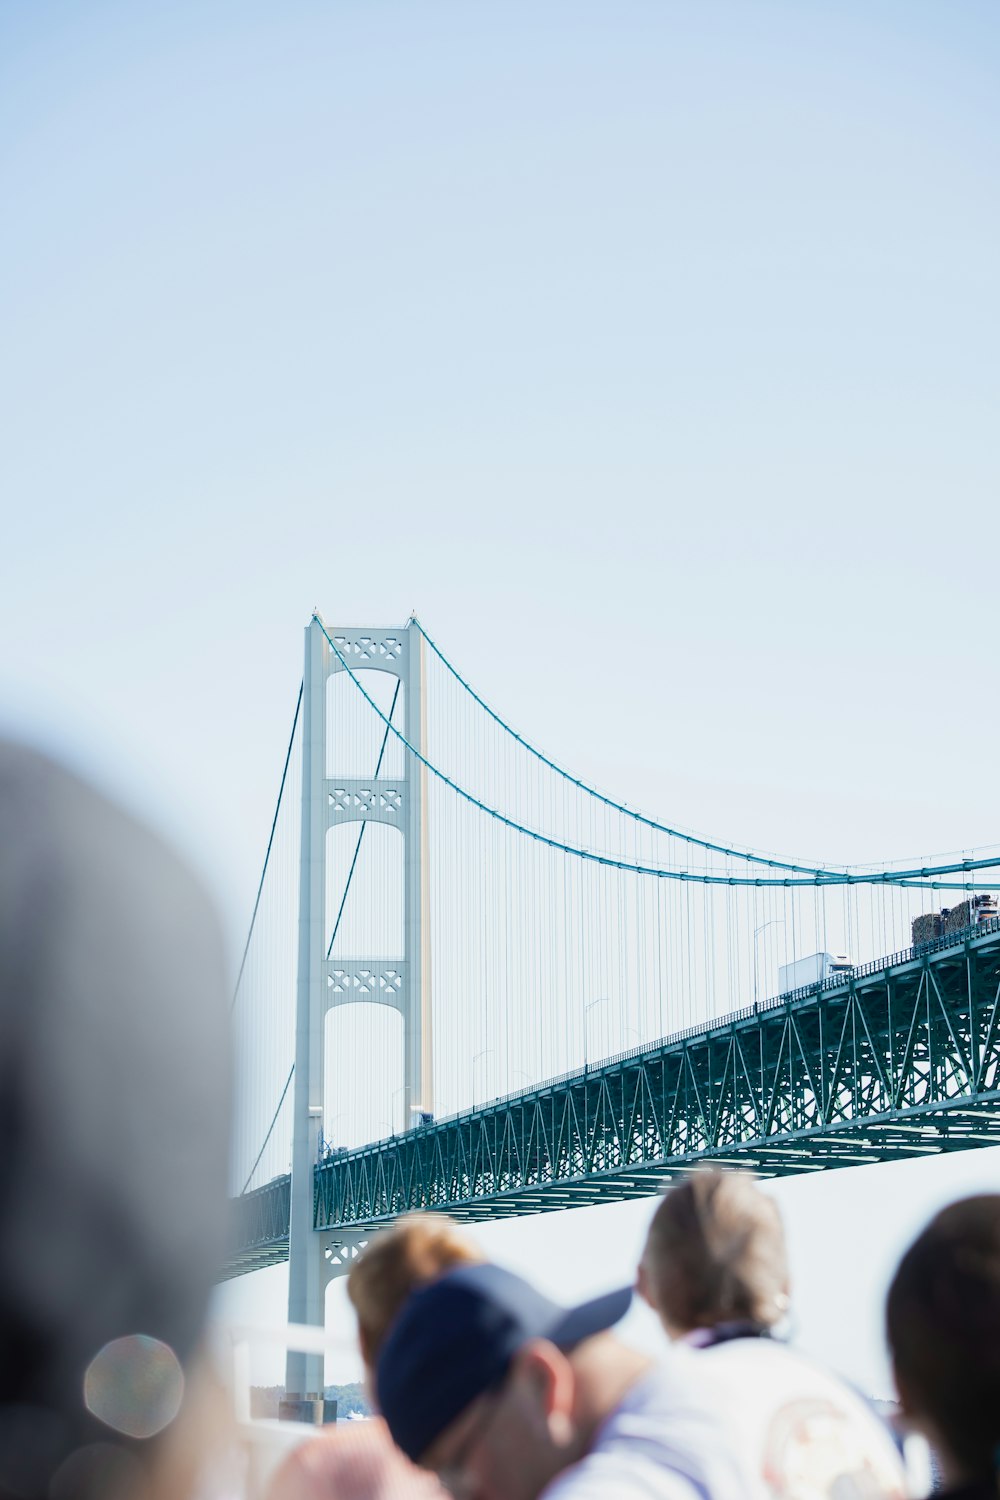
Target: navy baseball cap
(456, 1338)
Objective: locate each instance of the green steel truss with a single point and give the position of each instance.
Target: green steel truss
(260, 1227)
(900, 1059)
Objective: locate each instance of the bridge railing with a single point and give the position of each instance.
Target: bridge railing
(731, 1018)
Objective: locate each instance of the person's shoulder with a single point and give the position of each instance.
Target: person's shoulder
(768, 1360)
(627, 1476)
(775, 1367)
(680, 1383)
(662, 1440)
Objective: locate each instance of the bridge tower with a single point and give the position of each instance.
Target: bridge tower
(329, 800)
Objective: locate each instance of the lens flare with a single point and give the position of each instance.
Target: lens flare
(135, 1385)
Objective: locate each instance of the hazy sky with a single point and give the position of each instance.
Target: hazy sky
(649, 351)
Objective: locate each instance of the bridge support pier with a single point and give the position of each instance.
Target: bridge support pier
(402, 982)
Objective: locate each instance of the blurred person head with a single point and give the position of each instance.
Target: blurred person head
(715, 1256)
(496, 1389)
(352, 1461)
(359, 1461)
(113, 1142)
(417, 1249)
(943, 1327)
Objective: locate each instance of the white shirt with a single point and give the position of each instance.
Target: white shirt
(663, 1442)
(800, 1433)
(744, 1420)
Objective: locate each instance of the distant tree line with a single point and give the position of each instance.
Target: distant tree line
(350, 1399)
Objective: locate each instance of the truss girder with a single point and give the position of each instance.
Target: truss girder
(904, 1061)
(259, 1227)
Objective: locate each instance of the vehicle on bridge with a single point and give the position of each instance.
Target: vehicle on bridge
(930, 926)
(812, 970)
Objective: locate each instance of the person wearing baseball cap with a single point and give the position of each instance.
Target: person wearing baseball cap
(508, 1396)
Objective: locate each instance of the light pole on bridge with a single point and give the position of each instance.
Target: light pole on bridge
(485, 1053)
(392, 1105)
(601, 1000)
(774, 922)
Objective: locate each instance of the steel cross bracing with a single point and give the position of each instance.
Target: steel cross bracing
(899, 1059)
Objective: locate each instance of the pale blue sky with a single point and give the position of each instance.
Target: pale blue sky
(647, 350)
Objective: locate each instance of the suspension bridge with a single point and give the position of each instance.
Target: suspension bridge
(474, 983)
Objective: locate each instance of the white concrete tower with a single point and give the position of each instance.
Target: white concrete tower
(328, 801)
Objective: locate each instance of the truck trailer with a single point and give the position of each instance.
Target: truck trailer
(812, 970)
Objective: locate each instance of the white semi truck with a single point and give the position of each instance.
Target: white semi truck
(811, 970)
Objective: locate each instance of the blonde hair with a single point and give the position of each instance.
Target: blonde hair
(715, 1254)
(416, 1250)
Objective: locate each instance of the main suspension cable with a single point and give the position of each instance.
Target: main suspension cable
(689, 838)
(270, 1129)
(919, 877)
(270, 845)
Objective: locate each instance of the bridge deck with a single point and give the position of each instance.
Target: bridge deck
(900, 1058)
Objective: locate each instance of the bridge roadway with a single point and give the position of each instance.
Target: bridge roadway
(900, 1058)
